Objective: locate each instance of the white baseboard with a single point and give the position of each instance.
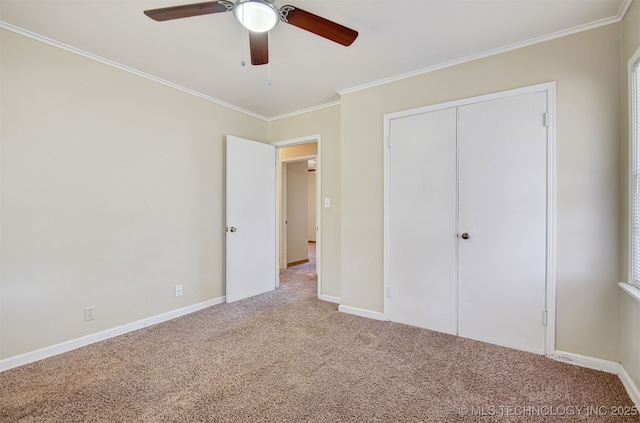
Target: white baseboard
(631, 387)
(361, 312)
(588, 362)
(604, 366)
(330, 298)
(30, 357)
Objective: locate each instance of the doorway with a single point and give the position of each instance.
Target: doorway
(299, 218)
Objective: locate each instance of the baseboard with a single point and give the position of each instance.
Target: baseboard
(588, 362)
(361, 312)
(630, 386)
(295, 263)
(30, 357)
(329, 298)
(604, 366)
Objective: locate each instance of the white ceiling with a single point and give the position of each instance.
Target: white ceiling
(397, 37)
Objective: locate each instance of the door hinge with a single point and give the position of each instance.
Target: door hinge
(388, 141)
(544, 317)
(388, 292)
(545, 119)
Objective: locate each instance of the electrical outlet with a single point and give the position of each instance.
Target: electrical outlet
(178, 290)
(89, 313)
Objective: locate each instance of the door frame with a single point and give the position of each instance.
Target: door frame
(550, 283)
(317, 138)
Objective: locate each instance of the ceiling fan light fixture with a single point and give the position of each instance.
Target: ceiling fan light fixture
(256, 15)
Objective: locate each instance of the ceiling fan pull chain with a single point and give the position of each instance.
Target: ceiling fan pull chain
(269, 73)
(244, 46)
(268, 63)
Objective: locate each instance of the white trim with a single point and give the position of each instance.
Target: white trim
(631, 163)
(46, 40)
(329, 298)
(296, 141)
(40, 354)
(317, 138)
(108, 62)
(624, 7)
(386, 231)
(296, 159)
(282, 214)
(632, 290)
(603, 366)
(544, 86)
(550, 271)
(588, 362)
(630, 386)
(361, 312)
(303, 111)
(602, 22)
(493, 52)
(550, 276)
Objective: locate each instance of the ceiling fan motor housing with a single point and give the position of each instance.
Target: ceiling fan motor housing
(256, 15)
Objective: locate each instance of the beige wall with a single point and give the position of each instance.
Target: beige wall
(326, 123)
(111, 187)
(111, 195)
(630, 308)
(586, 67)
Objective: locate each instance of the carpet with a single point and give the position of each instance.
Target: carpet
(286, 356)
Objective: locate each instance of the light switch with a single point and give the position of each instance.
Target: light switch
(327, 202)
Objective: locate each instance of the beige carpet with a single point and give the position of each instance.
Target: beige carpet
(287, 357)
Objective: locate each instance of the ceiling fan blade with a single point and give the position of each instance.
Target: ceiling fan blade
(188, 10)
(259, 45)
(318, 25)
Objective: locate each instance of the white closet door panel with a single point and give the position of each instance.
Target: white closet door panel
(502, 191)
(422, 227)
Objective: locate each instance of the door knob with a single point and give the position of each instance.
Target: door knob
(232, 229)
(465, 235)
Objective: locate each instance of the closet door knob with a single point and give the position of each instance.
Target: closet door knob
(465, 235)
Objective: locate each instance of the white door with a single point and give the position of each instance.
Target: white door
(480, 170)
(502, 181)
(251, 218)
(422, 221)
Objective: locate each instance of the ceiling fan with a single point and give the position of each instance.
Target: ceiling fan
(259, 17)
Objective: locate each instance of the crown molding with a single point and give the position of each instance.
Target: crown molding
(624, 7)
(46, 40)
(303, 111)
(537, 40)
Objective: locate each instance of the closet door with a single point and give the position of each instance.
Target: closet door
(422, 225)
(502, 208)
